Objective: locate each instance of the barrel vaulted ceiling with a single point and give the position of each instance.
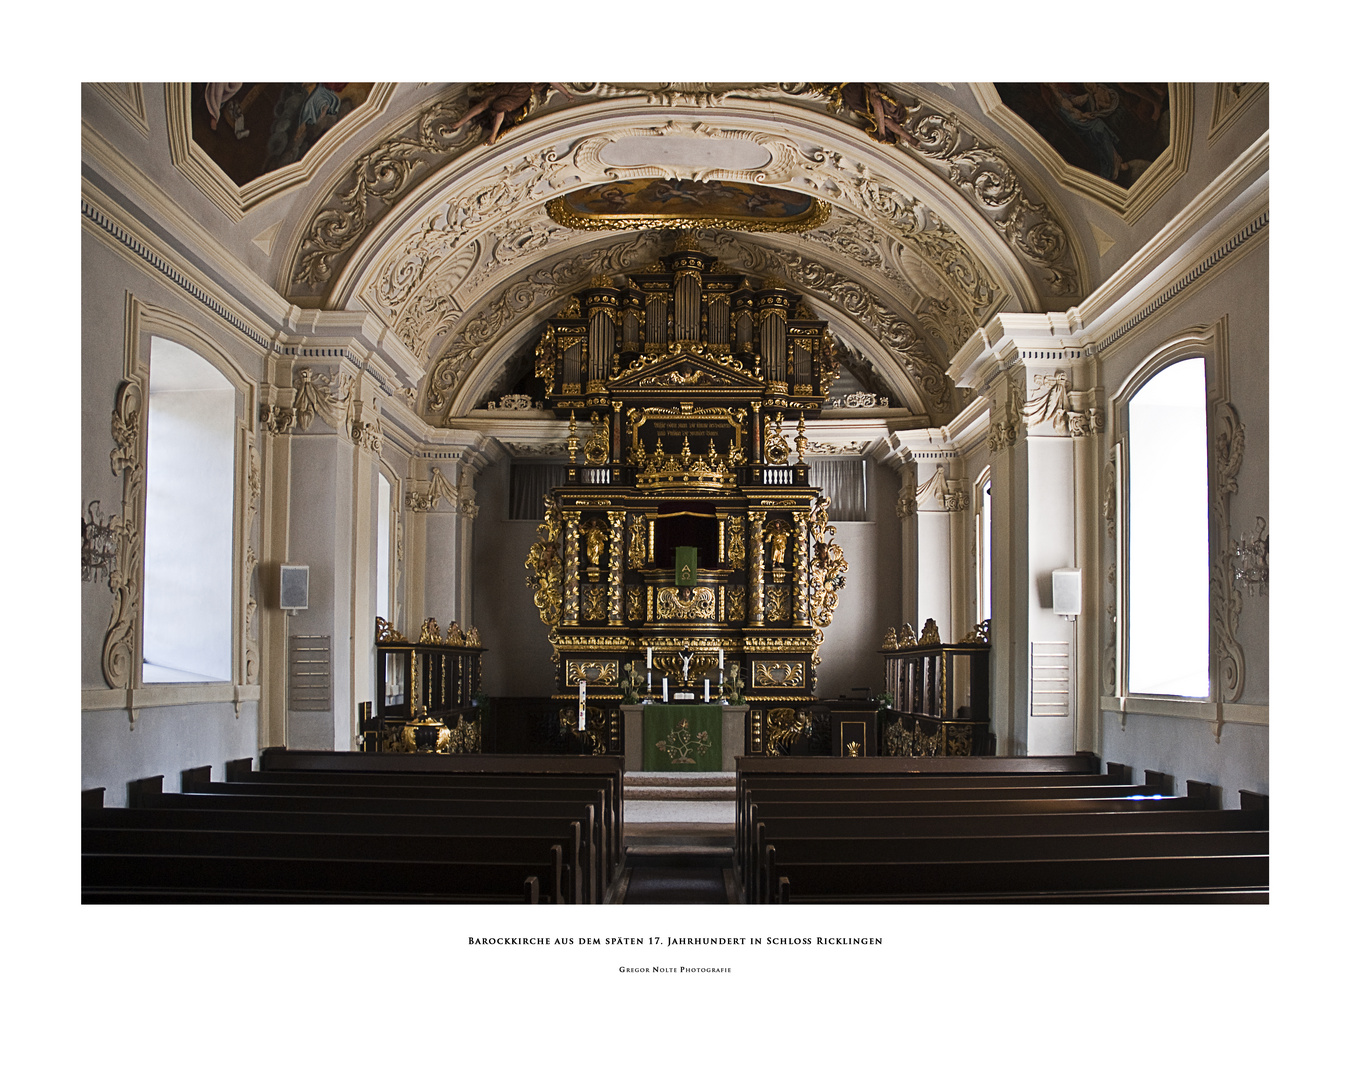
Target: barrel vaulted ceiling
(429, 207)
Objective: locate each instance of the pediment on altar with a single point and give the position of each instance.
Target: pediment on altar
(687, 370)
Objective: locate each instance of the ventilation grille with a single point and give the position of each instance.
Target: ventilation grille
(1049, 678)
(311, 673)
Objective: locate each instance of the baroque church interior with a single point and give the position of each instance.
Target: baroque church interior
(344, 298)
(994, 356)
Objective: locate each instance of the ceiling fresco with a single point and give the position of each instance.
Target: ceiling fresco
(660, 203)
(251, 129)
(1112, 130)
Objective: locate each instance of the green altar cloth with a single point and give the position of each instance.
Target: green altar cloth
(682, 738)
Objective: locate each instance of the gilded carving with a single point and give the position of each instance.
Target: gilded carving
(594, 532)
(777, 603)
(930, 634)
(544, 564)
(385, 632)
(785, 726)
(736, 542)
(637, 541)
(634, 601)
(595, 673)
(888, 640)
(736, 603)
(828, 565)
(593, 599)
(700, 604)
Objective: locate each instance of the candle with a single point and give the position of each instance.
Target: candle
(665, 696)
(705, 691)
(719, 659)
(649, 656)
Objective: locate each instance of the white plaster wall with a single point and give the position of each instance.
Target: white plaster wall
(1050, 547)
(518, 662)
(164, 742)
(870, 600)
(1187, 750)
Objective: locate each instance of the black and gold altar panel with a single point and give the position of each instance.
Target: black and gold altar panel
(687, 389)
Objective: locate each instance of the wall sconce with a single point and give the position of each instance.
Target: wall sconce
(1251, 568)
(98, 545)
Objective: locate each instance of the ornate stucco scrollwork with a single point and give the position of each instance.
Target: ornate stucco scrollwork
(1230, 438)
(1003, 433)
(124, 580)
(980, 172)
(322, 394)
(252, 660)
(437, 488)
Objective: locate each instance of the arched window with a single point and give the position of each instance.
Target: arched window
(189, 519)
(1167, 548)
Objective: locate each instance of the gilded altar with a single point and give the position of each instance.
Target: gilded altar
(686, 390)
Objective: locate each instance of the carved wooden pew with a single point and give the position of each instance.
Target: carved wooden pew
(1023, 880)
(148, 794)
(606, 769)
(580, 876)
(991, 809)
(450, 789)
(790, 858)
(799, 799)
(609, 807)
(184, 878)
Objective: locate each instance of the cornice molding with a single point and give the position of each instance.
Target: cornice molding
(235, 201)
(1231, 100)
(129, 100)
(155, 206)
(1129, 203)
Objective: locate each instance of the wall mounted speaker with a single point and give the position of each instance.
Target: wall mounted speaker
(295, 587)
(1067, 589)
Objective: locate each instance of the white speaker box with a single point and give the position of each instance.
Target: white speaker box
(295, 588)
(1067, 590)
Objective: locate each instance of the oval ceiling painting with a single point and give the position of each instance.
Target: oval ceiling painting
(656, 203)
(1114, 130)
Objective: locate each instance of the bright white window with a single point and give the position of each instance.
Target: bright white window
(1168, 546)
(985, 544)
(189, 519)
(383, 515)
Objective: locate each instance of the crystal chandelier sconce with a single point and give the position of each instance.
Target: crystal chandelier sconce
(1250, 552)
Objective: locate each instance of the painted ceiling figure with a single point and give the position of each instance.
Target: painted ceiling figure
(506, 104)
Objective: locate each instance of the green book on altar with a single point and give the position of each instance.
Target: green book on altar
(686, 567)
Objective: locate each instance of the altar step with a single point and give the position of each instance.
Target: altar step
(671, 785)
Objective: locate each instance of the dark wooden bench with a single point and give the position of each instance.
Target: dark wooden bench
(606, 769)
(178, 878)
(580, 875)
(446, 787)
(756, 802)
(788, 857)
(149, 794)
(1030, 879)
